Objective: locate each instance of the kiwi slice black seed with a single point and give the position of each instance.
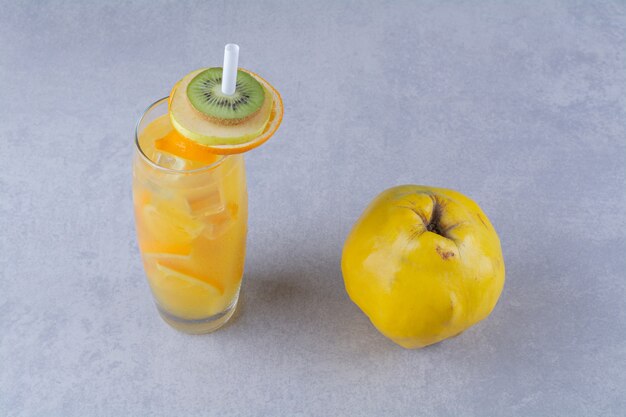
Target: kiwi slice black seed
(205, 95)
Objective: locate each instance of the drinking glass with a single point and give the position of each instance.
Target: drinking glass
(191, 229)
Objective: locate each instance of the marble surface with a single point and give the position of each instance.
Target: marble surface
(520, 106)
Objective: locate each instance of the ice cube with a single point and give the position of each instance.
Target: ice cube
(170, 161)
(170, 225)
(219, 223)
(205, 201)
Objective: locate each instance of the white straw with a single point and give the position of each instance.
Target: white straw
(229, 72)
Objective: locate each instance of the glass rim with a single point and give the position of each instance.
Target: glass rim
(153, 164)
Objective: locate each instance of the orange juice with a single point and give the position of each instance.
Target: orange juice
(191, 212)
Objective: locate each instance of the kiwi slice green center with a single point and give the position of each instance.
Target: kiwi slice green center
(205, 95)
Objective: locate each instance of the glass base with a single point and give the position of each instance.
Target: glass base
(199, 326)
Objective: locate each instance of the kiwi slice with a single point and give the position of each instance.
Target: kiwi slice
(205, 95)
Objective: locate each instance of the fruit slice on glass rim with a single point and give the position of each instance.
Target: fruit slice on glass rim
(224, 124)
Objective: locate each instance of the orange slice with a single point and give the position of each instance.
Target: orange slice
(170, 269)
(178, 145)
(149, 246)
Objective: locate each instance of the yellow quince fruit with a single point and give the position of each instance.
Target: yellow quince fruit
(423, 264)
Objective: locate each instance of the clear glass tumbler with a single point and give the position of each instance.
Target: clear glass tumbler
(191, 229)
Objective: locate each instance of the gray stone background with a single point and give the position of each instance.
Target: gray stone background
(520, 105)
